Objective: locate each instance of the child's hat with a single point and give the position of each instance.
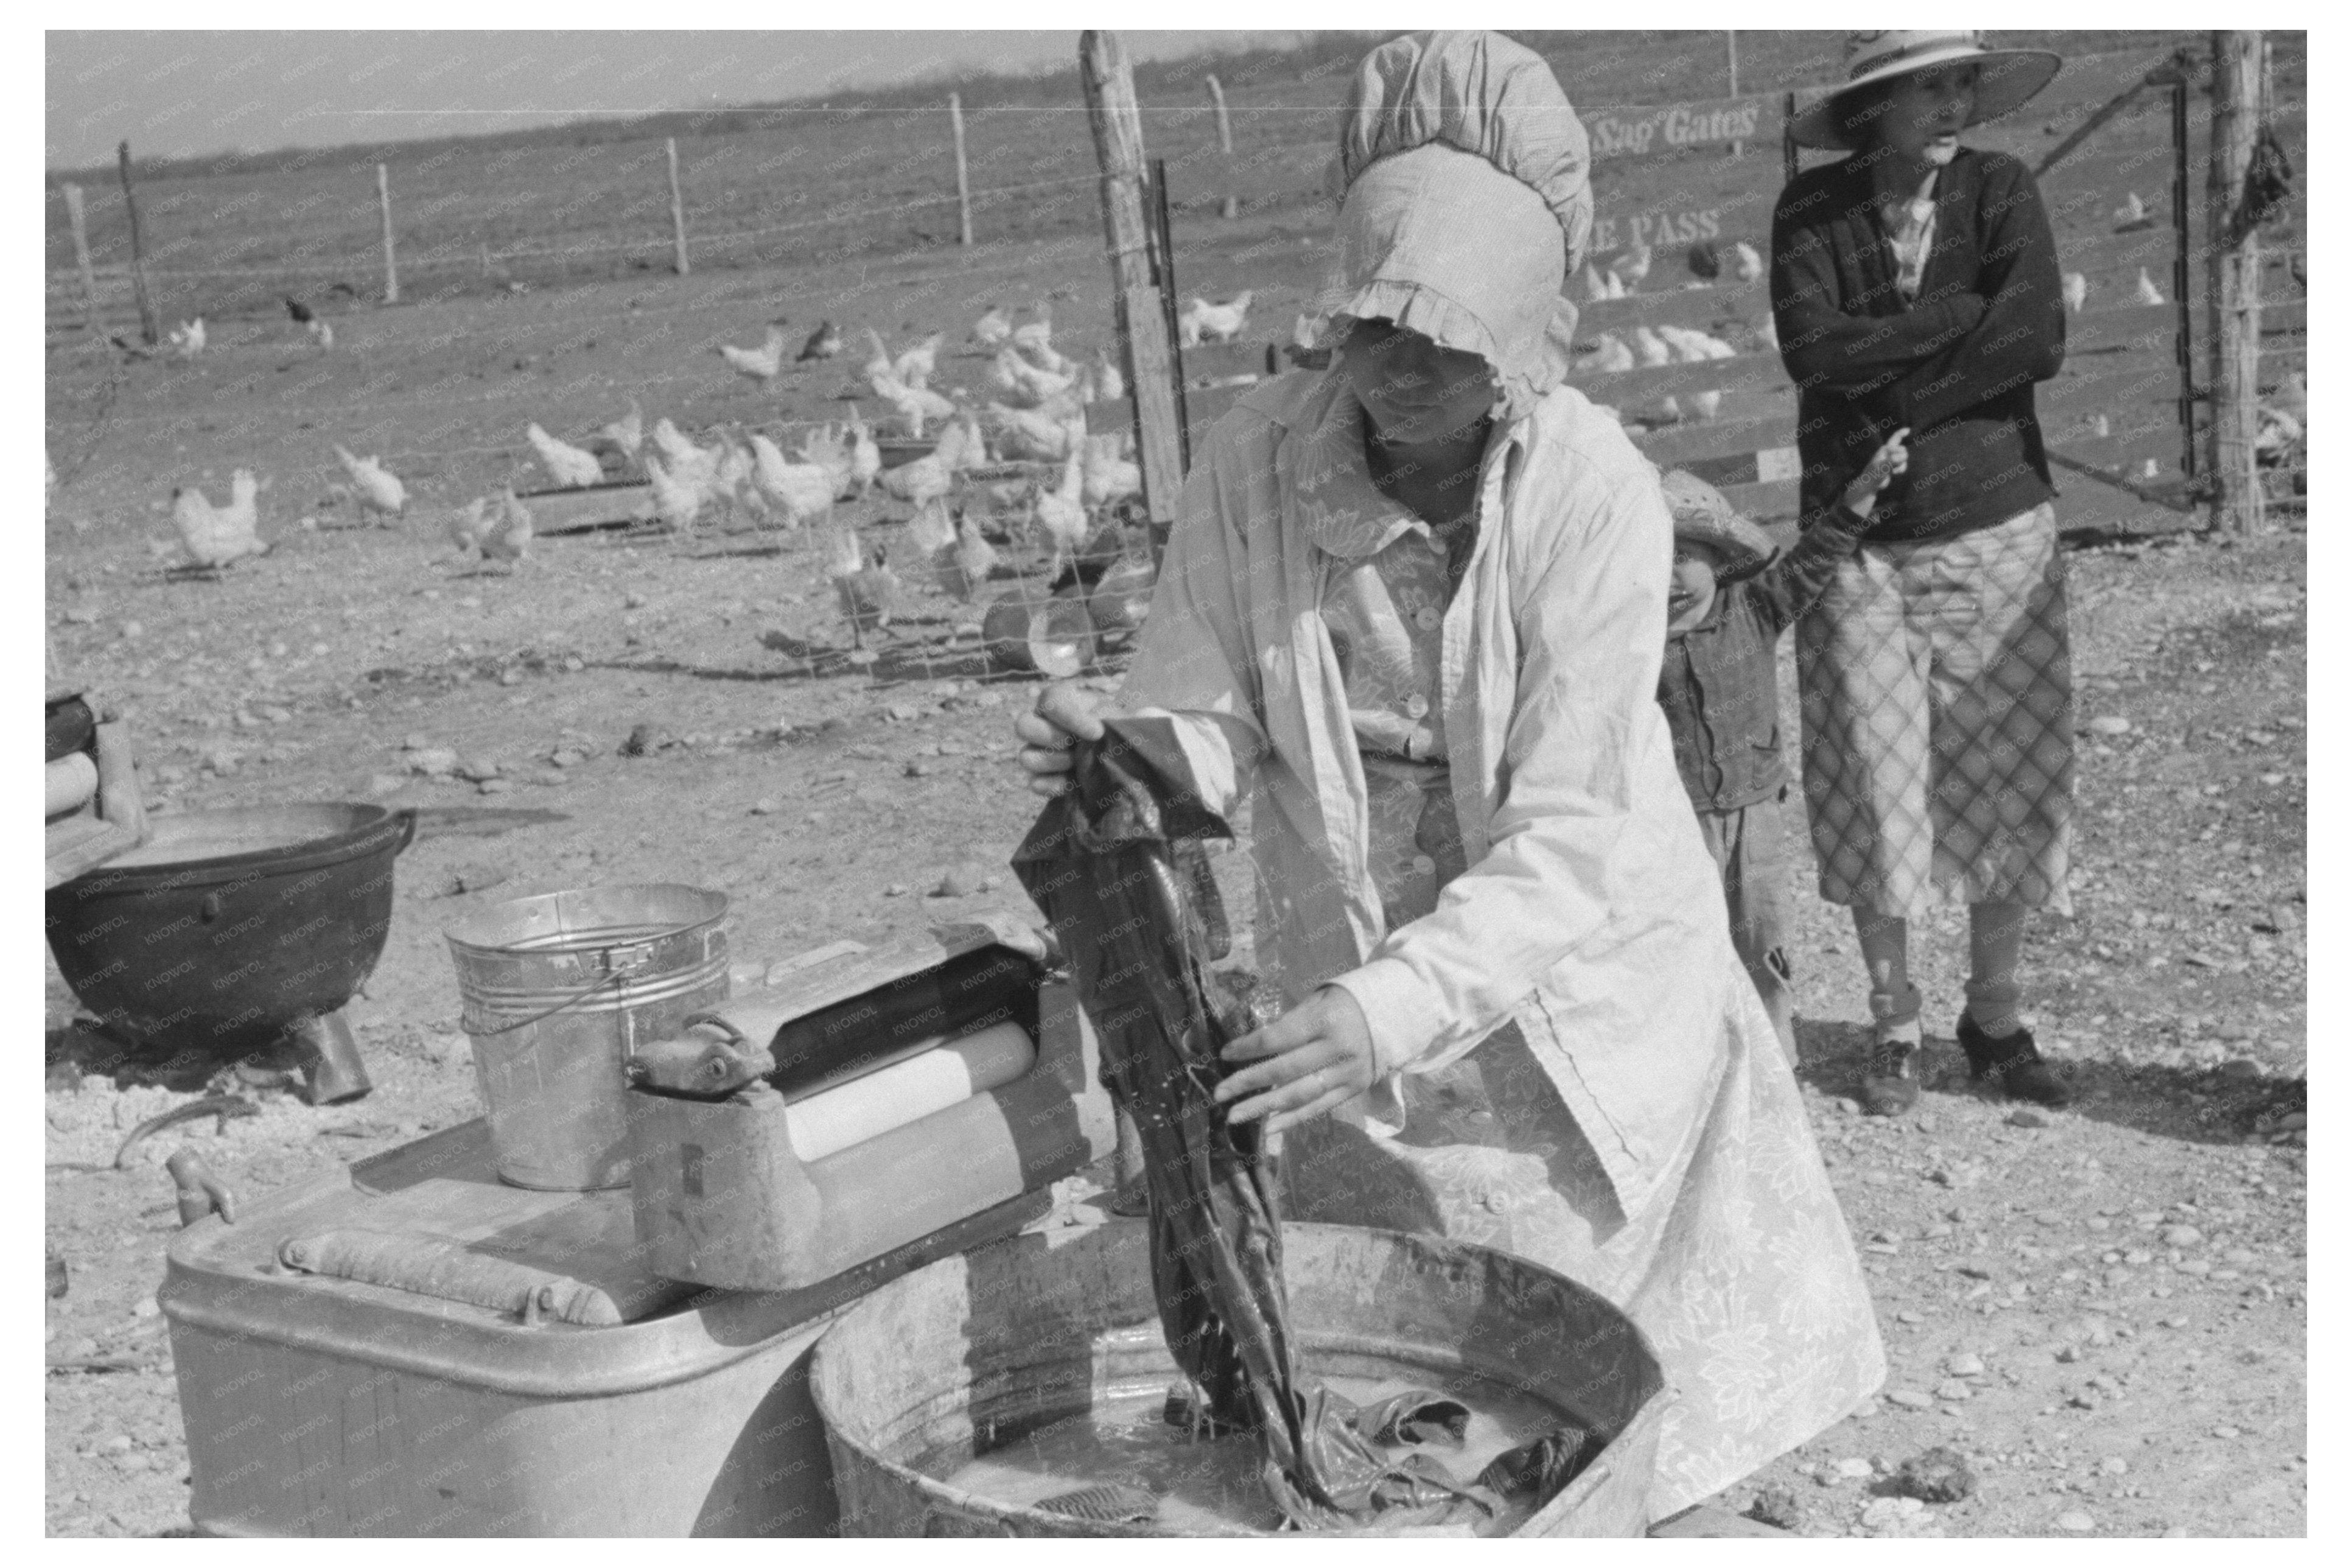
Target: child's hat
(1702, 514)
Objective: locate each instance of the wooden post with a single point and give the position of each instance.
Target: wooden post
(383, 205)
(1231, 205)
(150, 332)
(677, 209)
(80, 227)
(2233, 272)
(963, 176)
(1111, 113)
(1731, 57)
(1788, 137)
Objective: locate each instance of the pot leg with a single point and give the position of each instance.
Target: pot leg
(332, 1073)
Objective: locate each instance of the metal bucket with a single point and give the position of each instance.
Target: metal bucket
(559, 990)
(983, 1354)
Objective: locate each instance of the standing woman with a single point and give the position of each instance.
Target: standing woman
(1414, 608)
(1916, 283)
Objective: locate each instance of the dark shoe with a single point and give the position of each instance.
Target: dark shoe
(1890, 1084)
(2013, 1066)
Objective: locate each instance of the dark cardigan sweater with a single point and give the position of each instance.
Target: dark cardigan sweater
(1958, 364)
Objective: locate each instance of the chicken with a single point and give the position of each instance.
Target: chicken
(759, 365)
(865, 457)
(1769, 333)
(1062, 513)
(867, 592)
(2076, 288)
(1692, 345)
(565, 464)
(1105, 476)
(2148, 292)
(974, 558)
(377, 488)
(1025, 383)
(628, 434)
(928, 477)
(466, 527)
(1651, 348)
(677, 503)
(736, 483)
(823, 343)
(1631, 267)
(1036, 335)
(187, 339)
(311, 322)
(828, 448)
(1745, 264)
(1200, 321)
(932, 542)
(992, 328)
(803, 490)
(1704, 260)
(219, 536)
(1044, 357)
(1706, 403)
(877, 366)
(506, 537)
(1110, 386)
(2133, 214)
(914, 367)
(689, 464)
(1610, 358)
(1029, 433)
(916, 406)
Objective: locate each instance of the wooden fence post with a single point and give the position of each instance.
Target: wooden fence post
(383, 205)
(963, 177)
(1231, 205)
(2233, 271)
(80, 227)
(149, 331)
(1731, 57)
(1788, 137)
(677, 209)
(1117, 126)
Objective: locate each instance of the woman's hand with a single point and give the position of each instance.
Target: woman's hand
(1065, 714)
(1312, 1059)
(1893, 457)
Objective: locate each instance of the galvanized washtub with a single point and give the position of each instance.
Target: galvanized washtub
(975, 1353)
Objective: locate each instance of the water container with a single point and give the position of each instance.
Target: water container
(559, 990)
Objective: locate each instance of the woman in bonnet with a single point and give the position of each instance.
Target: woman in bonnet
(1414, 607)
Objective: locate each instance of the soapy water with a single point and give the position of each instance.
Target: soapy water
(1212, 1484)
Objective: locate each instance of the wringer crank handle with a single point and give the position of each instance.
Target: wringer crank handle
(201, 1192)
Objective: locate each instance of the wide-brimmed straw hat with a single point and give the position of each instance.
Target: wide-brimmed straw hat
(1705, 515)
(2007, 78)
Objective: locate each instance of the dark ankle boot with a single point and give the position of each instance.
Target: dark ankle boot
(2011, 1065)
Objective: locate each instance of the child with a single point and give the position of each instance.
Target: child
(1729, 602)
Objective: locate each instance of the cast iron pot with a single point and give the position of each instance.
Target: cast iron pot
(227, 930)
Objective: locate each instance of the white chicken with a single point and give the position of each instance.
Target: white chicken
(759, 365)
(736, 484)
(865, 457)
(2133, 214)
(928, 477)
(1708, 403)
(1200, 321)
(1110, 384)
(187, 339)
(1650, 348)
(217, 536)
(1036, 335)
(1769, 333)
(1692, 345)
(378, 489)
(689, 464)
(803, 490)
(676, 501)
(1024, 384)
(627, 433)
(1611, 357)
(2075, 288)
(1047, 358)
(507, 537)
(466, 527)
(1105, 476)
(992, 328)
(878, 364)
(566, 464)
(1596, 288)
(866, 593)
(914, 368)
(1745, 264)
(1630, 269)
(974, 559)
(2148, 293)
(826, 448)
(1029, 433)
(931, 541)
(917, 405)
(1062, 511)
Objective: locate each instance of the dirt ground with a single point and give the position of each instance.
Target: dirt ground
(2102, 1309)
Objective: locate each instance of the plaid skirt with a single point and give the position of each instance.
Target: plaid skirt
(1939, 721)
